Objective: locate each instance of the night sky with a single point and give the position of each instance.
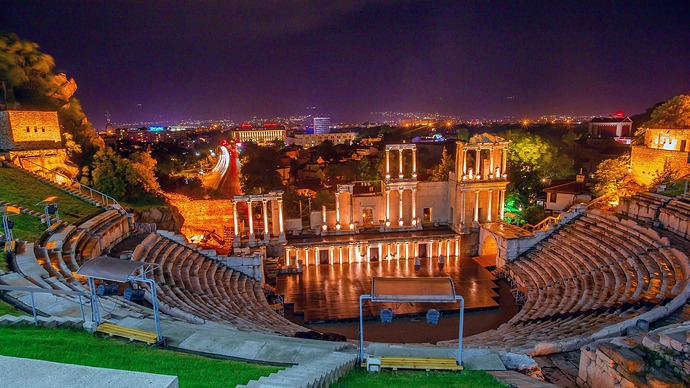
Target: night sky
(168, 60)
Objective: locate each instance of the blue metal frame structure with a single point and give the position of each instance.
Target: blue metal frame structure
(420, 298)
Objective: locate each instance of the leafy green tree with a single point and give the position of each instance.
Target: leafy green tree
(259, 173)
(326, 150)
(534, 214)
(610, 175)
(369, 168)
(143, 168)
(443, 169)
(109, 173)
(531, 160)
(323, 198)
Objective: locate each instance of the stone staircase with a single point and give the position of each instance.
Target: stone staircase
(22, 320)
(318, 373)
(25, 210)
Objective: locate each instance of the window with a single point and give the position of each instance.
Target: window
(426, 215)
(683, 143)
(35, 129)
(552, 197)
(43, 129)
(28, 129)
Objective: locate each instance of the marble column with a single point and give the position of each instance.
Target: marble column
(488, 214)
(400, 160)
(476, 206)
(252, 239)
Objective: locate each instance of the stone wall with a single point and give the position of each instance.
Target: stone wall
(23, 130)
(646, 163)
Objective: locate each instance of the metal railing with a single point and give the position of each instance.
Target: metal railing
(32, 290)
(84, 190)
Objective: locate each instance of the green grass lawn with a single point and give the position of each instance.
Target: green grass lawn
(359, 377)
(22, 189)
(6, 308)
(27, 228)
(82, 348)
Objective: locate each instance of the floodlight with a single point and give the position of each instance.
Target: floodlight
(386, 315)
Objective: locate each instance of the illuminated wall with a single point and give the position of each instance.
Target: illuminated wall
(662, 146)
(202, 214)
(27, 130)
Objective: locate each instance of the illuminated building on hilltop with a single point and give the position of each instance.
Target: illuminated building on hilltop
(664, 148)
(34, 136)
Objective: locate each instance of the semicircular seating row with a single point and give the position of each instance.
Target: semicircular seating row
(198, 285)
(594, 272)
(53, 263)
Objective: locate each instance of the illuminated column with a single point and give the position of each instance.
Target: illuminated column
(491, 162)
(462, 208)
(414, 163)
(388, 206)
(431, 249)
(414, 206)
(330, 255)
(306, 256)
(477, 162)
(502, 204)
(397, 250)
(287, 257)
(236, 238)
(400, 174)
(400, 215)
(251, 223)
(337, 210)
(388, 164)
(264, 211)
(504, 160)
(380, 257)
(352, 210)
(464, 162)
(476, 206)
(488, 214)
(340, 254)
(280, 220)
(317, 257)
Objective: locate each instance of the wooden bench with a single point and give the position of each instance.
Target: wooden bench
(126, 332)
(423, 363)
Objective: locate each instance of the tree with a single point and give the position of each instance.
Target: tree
(533, 159)
(368, 169)
(326, 150)
(27, 79)
(675, 113)
(259, 170)
(443, 169)
(143, 168)
(610, 176)
(122, 178)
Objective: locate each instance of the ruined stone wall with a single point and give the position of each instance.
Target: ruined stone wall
(647, 162)
(203, 214)
(25, 130)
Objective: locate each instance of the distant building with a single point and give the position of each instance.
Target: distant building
(322, 125)
(663, 148)
(265, 134)
(616, 126)
(155, 135)
(312, 140)
(559, 197)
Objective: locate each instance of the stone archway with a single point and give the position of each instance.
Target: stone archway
(488, 246)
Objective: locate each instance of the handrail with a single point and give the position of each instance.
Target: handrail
(31, 290)
(105, 198)
(543, 224)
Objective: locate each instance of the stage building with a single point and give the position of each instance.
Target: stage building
(396, 218)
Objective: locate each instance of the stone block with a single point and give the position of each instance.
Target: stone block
(632, 362)
(658, 379)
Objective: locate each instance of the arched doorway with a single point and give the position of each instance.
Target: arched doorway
(488, 247)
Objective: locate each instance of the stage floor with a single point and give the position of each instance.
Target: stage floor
(331, 292)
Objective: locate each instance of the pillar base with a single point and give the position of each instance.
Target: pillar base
(281, 237)
(267, 238)
(252, 240)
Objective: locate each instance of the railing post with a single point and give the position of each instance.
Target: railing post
(81, 306)
(33, 309)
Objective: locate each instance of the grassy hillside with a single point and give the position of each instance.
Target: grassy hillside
(82, 348)
(359, 377)
(22, 189)
(27, 228)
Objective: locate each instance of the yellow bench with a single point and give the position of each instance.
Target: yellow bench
(126, 332)
(10, 246)
(423, 363)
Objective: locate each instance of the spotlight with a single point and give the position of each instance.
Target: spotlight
(400, 222)
(337, 226)
(386, 315)
(432, 316)
(414, 222)
(352, 226)
(324, 227)
(388, 223)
